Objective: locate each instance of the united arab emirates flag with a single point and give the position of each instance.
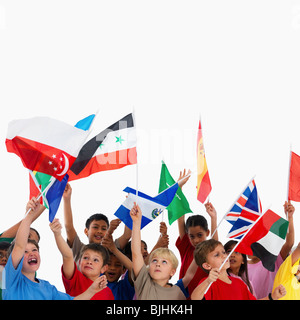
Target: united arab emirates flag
(179, 206)
(265, 239)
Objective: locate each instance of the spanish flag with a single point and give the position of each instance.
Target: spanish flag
(203, 181)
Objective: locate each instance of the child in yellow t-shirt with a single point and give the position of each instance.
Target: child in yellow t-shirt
(289, 275)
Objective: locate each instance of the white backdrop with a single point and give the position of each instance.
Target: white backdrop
(234, 62)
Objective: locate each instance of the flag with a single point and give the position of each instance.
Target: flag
(45, 145)
(52, 189)
(234, 213)
(203, 180)
(249, 214)
(113, 148)
(179, 206)
(265, 239)
(38, 181)
(150, 207)
(294, 179)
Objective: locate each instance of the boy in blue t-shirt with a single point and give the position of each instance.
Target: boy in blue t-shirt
(20, 282)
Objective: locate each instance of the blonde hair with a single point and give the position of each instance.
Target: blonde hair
(166, 254)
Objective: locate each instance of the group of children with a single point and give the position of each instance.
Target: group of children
(122, 269)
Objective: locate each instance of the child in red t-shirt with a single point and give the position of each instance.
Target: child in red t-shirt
(194, 231)
(210, 256)
(92, 263)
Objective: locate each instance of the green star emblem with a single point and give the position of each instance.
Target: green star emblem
(119, 139)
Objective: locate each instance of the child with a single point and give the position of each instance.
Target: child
(3, 260)
(24, 261)
(93, 261)
(289, 275)
(210, 256)
(238, 264)
(261, 278)
(152, 283)
(118, 264)
(194, 231)
(95, 228)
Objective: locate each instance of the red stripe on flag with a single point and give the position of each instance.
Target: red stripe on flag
(108, 161)
(249, 215)
(242, 201)
(204, 189)
(40, 157)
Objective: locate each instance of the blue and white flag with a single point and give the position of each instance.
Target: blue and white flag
(150, 207)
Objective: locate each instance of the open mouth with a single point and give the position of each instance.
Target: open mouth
(32, 261)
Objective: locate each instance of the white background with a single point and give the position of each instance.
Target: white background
(234, 62)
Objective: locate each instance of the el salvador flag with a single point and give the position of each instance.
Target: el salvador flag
(150, 207)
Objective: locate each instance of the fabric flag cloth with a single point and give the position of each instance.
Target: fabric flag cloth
(265, 239)
(234, 213)
(150, 207)
(294, 179)
(203, 181)
(39, 182)
(45, 145)
(179, 206)
(52, 189)
(113, 148)
(250, 213)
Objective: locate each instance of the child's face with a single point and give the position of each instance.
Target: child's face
(161, 269)
(216, 258)
(96, 231)
(235, 260)
(3, 257)
(114, 269)
(197, 234)
(32, 260)
(144, 250)
(91, 264)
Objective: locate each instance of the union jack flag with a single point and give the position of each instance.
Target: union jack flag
(234, 213)
(245, 211)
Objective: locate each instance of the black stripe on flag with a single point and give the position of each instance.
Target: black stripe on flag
(267, 258)
(89, 149)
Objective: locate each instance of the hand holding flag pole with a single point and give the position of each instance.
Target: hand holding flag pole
(239, 241)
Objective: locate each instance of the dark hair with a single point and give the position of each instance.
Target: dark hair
(97, 248)
(39, 237)
(4, 245)
(243, 271)
(196, 220)
(97, 217)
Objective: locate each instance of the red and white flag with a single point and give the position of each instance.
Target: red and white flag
(45, 145)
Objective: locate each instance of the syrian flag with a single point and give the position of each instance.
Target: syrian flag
(265, 239)
(151, 207)
(113, 148)
(45, 145)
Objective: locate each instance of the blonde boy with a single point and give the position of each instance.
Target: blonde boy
(152, 282)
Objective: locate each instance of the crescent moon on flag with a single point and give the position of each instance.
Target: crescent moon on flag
(66, 168)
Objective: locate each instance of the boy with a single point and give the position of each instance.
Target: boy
(96, 227)
(153, 283)
(93, 261)
(122, 289)
(210, 255)
(20, 281)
